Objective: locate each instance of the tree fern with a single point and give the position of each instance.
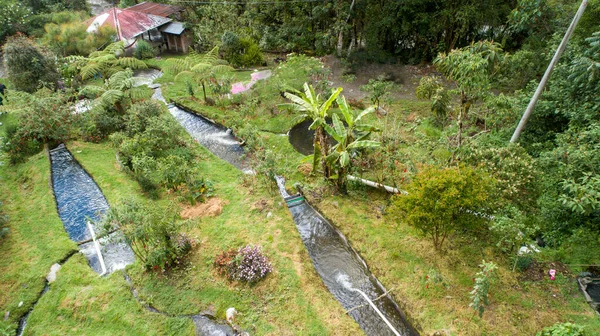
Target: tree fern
(92, 91)
(111, 97)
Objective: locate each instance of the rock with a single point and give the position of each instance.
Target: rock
(269, 214)
(335, 204)
(51, 277)
(20, 303)
(230, 314)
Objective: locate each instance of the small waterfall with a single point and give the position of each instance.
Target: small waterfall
(217, 139)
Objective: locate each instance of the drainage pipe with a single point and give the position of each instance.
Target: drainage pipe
(97, 245)
(377, 185)
(343, 280)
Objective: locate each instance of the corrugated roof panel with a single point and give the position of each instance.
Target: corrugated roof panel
(175, 28)
(156, 9)
(131, 23)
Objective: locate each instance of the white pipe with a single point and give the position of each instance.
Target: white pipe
(540, 88)
(97, 245)
(343, 280)
(377, 185)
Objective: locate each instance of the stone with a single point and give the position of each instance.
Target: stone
(51, 277)
(269, 214)
(335, 204)
(20, 303)
(230, 314)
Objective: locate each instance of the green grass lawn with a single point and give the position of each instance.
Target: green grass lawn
(402, 260)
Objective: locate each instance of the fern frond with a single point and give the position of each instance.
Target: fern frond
(131, 62)
(121, 80)
(90, 70)
(139, 93)
(92, 91)
(110, 97)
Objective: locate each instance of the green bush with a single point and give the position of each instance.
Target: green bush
(143, 50)
(154, 234)
(562, 329)
(28, 66)
(241, 51)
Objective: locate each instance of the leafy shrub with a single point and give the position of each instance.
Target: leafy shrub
(378, 89)
(153, 233)
(483, 281)
(562, 329)
(143, 50)
(247, 264)
(441, 201)
(241, 51)
(43, 119)
(28, 66)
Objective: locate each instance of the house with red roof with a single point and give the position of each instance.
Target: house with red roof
(148, 21)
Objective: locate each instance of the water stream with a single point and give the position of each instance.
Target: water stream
(339, 266)
(79, 200)
(217, 139)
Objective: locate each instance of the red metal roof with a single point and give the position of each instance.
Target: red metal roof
(156, 9)
(131, 23)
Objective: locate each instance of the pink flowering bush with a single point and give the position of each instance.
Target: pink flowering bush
(247, 264)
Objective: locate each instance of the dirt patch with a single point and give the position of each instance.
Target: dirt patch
(405, 76)
(211, 208)
(539, 271)
(262, 205)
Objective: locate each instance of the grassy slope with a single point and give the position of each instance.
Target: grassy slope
(290, 301)
(402, 259)
(79, 301)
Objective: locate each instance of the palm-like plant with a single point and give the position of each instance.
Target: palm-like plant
(350, 138)
(116, 89)
(202, 68)
(103, 63)
(311, 104)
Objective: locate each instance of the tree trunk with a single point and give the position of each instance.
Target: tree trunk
(204, 91)
(324, 146)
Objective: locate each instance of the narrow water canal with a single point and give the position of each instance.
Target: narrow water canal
(341, 267)
(79, 200)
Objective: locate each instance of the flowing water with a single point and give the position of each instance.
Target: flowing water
(217, 139)
(341, 267)
(79, 200)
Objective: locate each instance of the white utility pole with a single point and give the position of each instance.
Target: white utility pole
(540, 88)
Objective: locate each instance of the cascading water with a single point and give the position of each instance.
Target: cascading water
(79, 200)
(334, 259)
(217, 139)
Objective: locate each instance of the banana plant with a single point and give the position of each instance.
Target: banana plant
(311, 104)
(350, 139)
(201, 68)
